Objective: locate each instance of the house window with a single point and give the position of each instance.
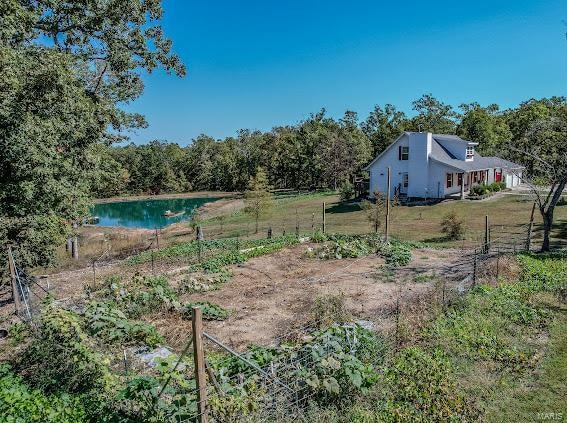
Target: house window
(470, 152)
(449, 180)
(460, 179)
(405, 180)
(403, 153)
(475, 177)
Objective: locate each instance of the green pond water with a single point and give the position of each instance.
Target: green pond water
(146, 214)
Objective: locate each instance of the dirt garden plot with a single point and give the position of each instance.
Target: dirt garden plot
(271, 297)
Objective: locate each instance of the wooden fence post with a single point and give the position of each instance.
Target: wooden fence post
(199, 358)
(269, 232)
(387, 229)
(15, 291)
(324, 219)
(486, 236)
(75, 248)
(157, 237)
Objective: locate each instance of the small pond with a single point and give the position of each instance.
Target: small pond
(147, 214)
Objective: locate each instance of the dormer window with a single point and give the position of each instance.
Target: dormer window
(403, 153)
(470, 152)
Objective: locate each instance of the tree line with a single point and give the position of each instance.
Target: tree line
(322, 152)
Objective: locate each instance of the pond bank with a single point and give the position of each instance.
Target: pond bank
(197, 194)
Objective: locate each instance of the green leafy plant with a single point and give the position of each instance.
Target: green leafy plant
(61, 356)
(108, 323)
(19, 403)
(397, 253)
(210, 311)
(453, 226)
(18, 332)
(420, 387)
(346, 191)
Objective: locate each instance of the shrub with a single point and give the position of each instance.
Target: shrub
(480, 190)
(61, 357)
(347, 191)
(453, 226)
(18, 403)
(329, 309)
(497, 186)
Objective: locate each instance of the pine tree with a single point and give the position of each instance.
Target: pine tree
(258, 199)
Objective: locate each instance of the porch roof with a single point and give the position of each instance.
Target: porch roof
(442, 155)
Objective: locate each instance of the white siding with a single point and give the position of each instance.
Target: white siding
(379, 169)
(419, 151)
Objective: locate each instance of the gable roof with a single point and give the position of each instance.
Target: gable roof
(386, 149)
(441, 155)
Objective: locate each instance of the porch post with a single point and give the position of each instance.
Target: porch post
(462, 186)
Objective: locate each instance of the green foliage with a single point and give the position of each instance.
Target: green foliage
(59, 102)
(255, 248)
(19, 403)
(257, 198)
(319, 236)
(484, 324)
(397, 253)
(420, 387)
(197, 283)
(141, 295)
(346, 191)
(453, 226)
(111, 325)
(61, 356)
(375, 211)
(18, 332)
(481, 189)
(210, 311)
(337, 361)
(340, 361)
(497, 186)
(545, 273)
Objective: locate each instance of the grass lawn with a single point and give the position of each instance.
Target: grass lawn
(545, 396)
(417, 223)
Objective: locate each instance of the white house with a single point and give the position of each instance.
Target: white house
(426, 165)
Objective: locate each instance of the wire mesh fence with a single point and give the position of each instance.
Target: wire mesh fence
(281, 392)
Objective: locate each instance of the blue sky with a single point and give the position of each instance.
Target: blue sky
(259, 64)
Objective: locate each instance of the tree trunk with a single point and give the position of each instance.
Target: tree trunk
(547, 225)
(547, 215)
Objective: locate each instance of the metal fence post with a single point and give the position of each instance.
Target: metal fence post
(199, 358)
(324, 219)
(15, 291)
(474, 267)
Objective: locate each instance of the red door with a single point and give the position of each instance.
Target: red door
(497, 176)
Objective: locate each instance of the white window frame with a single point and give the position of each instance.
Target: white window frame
(470, 152)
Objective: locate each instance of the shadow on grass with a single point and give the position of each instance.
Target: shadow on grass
(438, 239)
(344, 208)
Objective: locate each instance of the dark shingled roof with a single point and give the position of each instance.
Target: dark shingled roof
(442, 155)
